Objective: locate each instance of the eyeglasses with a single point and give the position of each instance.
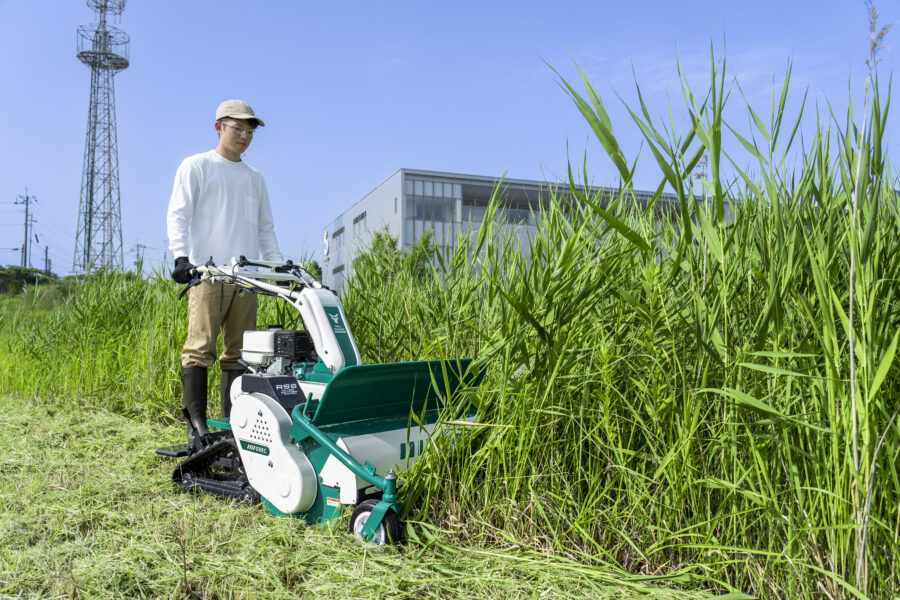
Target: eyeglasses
(238, 130)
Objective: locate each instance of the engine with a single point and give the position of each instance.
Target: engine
(276, 350)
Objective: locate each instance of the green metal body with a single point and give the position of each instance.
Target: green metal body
(387, 391)
(368, 399)
(317, 372)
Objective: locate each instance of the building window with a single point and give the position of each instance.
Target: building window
(337, 269)
(337, 238)
(359, 223)
(430, 204)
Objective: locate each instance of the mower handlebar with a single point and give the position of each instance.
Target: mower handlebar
(214, 272)
(270, 281)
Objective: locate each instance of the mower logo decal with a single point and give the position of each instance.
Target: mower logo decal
(257, 448)
(336, 323)
(341, 334)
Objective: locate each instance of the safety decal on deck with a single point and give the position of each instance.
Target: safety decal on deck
(333, 502)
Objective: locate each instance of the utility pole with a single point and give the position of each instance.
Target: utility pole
(47, 260)
(139, 256)
(29, 226)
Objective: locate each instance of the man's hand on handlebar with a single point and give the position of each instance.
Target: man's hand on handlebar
(184, 271)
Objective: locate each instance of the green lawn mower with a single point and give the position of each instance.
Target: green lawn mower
(312, 430)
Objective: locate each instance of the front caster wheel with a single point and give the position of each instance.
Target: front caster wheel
(387, 532)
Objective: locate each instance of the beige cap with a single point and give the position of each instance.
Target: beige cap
(237, 109)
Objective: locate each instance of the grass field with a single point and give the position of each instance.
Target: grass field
(705, 392)
(87, 510)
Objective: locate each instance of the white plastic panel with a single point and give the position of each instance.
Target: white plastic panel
(312, 305)
(276, 468)
(398, 449)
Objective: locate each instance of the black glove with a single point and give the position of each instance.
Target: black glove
(184, 270)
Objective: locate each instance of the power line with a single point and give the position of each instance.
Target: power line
(59, 236)
(48, 217)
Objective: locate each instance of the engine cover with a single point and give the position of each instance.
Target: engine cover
(276, 469)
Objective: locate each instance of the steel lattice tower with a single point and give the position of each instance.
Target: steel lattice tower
(98, 242)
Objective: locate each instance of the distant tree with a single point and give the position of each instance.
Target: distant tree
(14, 279)
(312, 267)
(384, 257)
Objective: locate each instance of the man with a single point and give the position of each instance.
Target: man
(219, 209)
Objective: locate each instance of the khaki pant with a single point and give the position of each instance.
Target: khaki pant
(215, 307)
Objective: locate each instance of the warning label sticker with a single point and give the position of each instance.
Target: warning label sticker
(333, 502)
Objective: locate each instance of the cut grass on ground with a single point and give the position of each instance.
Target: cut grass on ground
(87, 511)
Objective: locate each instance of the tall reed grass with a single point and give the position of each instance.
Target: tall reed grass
(674, 395)
(108, 339)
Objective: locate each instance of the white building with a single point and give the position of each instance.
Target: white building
(411, 201)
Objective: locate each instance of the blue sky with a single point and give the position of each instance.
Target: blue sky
(353, 91)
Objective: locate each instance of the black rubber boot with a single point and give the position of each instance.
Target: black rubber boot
(228, 378)
(193, 395)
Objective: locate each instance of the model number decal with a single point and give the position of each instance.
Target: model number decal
(257, 448)
(287, 389)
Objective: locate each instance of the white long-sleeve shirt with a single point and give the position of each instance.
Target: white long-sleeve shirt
(220, 209)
